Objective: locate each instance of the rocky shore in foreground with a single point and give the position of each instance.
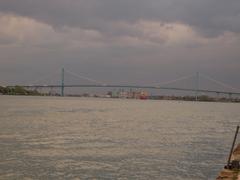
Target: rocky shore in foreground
(231, 174)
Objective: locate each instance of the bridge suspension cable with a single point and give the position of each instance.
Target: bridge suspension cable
(84, 77)
(175, 80)
(43, 78)
(219, 82)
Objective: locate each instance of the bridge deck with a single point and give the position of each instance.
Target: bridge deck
(131, 86)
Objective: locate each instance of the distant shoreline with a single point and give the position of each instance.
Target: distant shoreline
(20, 91)
(164, 98)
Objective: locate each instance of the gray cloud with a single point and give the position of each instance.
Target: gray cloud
(208, 17)
(125, 41)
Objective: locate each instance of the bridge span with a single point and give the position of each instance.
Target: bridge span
(96, 84)
(132, 86)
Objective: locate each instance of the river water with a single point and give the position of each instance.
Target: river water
(90, 138)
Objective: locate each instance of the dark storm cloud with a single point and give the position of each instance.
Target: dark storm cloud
(210, 17)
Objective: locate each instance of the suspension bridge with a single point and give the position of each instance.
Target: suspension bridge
(161, 86)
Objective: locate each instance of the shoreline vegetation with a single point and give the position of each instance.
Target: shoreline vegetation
(20, 91)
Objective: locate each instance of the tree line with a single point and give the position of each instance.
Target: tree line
(18, 90)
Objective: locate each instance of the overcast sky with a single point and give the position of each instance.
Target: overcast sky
(123, 41)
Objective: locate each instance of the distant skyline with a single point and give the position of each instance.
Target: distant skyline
(125, 41)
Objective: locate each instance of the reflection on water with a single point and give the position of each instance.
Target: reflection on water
(78, 138)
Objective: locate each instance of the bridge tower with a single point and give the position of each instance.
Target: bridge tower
(197, 86)
(62, 85)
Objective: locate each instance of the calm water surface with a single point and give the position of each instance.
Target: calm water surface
(78, 138)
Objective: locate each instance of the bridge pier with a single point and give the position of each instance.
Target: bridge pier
(197, 86)
(218, 94)
(62, 85)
